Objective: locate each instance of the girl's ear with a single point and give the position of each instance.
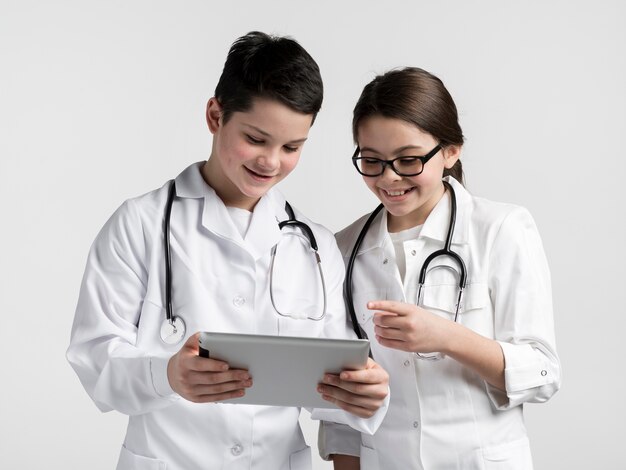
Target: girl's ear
(213, 115)
(451, 153)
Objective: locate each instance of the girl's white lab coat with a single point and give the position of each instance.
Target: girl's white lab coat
(442, 415)
(220, 283)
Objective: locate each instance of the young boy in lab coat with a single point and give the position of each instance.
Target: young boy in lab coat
(223, 225)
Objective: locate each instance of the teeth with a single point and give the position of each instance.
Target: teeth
(395, 193)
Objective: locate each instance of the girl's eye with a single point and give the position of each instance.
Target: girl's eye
(290, 149)
(408, 161)
(253, 140)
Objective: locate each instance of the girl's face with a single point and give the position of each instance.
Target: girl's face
(408, 199)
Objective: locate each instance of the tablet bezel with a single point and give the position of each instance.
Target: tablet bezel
(285, 369)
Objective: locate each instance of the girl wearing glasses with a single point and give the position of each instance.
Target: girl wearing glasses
(461, 366)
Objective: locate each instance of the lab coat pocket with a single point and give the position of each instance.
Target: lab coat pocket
(363, 314)
(130, 461)
(442, 299)
(301, 460)
(513, 455)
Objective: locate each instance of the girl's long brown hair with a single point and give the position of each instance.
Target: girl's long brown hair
(417, 97)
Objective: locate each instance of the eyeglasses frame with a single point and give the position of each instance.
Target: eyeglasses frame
(424, 159)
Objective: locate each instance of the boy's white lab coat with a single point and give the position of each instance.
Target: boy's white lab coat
(220, 283)
(442, 415)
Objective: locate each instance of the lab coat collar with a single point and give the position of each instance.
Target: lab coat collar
(191, 184)
(436, 225)
(263, 232)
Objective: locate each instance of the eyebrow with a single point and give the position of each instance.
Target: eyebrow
(267, 134)
(396, 151)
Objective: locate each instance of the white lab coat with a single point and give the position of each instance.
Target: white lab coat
(220, 283)
(442, 415)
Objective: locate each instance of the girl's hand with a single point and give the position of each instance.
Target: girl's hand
(408, 327)
(360, 392)
(202, 380)
(411, 328)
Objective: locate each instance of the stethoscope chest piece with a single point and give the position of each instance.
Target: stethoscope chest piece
(173, 332)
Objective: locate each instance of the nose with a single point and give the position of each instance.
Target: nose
(389, 174)
(269, 159)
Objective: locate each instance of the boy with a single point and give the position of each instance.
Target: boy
(223, 225)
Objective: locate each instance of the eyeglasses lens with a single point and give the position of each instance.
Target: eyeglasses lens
(407, 166)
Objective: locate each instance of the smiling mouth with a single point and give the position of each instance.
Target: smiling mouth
(258, 175)
(398, 192)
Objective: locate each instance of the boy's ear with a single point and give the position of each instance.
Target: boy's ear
(213, 115)
(451, 153)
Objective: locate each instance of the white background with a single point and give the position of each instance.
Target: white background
(102, 101)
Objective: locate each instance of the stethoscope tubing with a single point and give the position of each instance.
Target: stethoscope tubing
(293, 222)
(347, 285)
(168, 255)
(445, 251)
(173, 329)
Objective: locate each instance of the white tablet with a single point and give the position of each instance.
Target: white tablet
(285, 370)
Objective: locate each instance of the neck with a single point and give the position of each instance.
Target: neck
(224, 188)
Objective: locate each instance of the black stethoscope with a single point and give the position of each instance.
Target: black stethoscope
(445, 251)
(173, 328)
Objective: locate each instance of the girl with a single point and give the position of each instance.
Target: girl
(462, 362)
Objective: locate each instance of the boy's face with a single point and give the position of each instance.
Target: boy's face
(254, 150)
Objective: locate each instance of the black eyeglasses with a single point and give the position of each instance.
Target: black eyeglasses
(403, 166)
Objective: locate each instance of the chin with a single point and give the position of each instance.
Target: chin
(256, 192)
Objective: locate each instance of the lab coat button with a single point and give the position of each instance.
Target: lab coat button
(238, 301)
(413, 252)
(407, 363)
(237, 449)
(544, 373)
(385, 261)
(415, 424)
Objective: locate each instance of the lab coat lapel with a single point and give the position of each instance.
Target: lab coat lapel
(377, 247)
(376, 234)
(215, 217)
(264, 232)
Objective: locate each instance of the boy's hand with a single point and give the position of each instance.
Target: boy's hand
(202, 380)
(361, 392)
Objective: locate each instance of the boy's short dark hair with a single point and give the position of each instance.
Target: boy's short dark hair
(263, 66)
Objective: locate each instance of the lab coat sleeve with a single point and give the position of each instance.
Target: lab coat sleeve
(338, 326)
(521, 293)
(115, 373)
(334, 438)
